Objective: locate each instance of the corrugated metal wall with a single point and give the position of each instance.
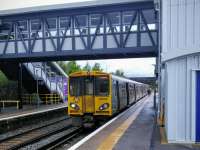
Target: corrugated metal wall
(180, 27)
(180, 37)
(180, 110)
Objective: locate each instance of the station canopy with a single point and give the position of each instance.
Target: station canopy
(8, 7)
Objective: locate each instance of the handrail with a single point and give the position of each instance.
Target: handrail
(10, 101)
(52, 98)
(53, 85)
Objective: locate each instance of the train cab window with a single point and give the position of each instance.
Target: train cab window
(75, 86)
(102, 86)
(89, 86)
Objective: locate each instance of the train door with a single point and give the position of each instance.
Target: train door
(135, 92)
(88, 97)
(118, 97)
(198, 107)
(127, 93)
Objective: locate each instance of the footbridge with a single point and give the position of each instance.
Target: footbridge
(88, 30)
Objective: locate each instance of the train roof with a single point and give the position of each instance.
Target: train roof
(126, 80)
(94, 73)
(7, 7)
(86, 73)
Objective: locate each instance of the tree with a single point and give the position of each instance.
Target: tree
(87, 67)
(69, 67)
(63, 65)
(119, 72)
(97, 67)
(72, 67)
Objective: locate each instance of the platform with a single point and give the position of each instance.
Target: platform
(134, 129)
(30, 111)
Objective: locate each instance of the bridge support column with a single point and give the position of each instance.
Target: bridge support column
(20, 85)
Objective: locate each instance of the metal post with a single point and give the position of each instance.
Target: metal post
(20, 85)
(37, 90)
(154, 100)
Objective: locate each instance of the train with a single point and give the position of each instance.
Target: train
(98, 95)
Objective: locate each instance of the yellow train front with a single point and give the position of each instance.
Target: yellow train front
(96, 95)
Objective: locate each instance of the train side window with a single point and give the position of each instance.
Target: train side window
(102, 86)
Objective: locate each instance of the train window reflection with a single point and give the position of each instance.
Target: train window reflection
(102, 86)
(89, 86)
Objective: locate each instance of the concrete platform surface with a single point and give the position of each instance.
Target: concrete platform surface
(134, 129)
(29, 110)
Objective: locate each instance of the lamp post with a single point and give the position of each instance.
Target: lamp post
(20, 85)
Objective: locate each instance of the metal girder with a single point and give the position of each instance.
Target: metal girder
(84, 55)
(116, 36)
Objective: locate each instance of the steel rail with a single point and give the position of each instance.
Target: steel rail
(20, 140)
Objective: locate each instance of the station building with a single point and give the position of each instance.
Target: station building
(179, 57)
(180, 69)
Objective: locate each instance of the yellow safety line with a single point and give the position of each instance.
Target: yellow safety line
(163, 136)
(113, 138)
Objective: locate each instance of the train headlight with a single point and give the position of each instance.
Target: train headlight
(104, 106)
(74, 106)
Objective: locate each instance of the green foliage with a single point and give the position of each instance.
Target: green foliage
(87, 67)
(63, 65)
(9, 91)
(3, 79)
(69, 67)
(97, 67)
(119, 72)
(72, 67)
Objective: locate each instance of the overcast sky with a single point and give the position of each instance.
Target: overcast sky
(14, 4)
(131, 67)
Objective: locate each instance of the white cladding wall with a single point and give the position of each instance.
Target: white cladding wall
(179, 104)
(180, 28)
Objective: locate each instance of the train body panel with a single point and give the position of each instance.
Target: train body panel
(101, 94)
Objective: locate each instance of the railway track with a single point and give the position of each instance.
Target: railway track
(57, 140)
(21, 141)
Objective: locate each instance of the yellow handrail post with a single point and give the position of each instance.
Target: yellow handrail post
(3, 105)
(17, 104)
